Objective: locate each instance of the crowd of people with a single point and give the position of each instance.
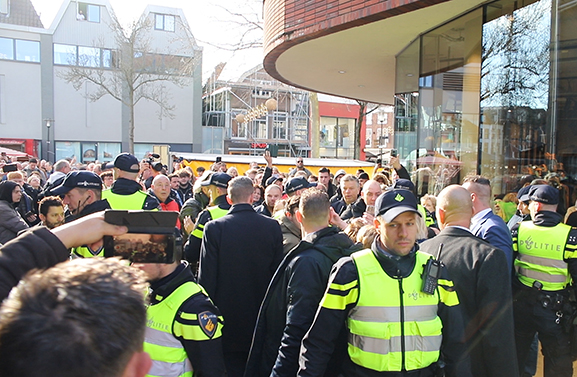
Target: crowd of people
(304, 273)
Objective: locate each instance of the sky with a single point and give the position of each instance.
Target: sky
(212, 22)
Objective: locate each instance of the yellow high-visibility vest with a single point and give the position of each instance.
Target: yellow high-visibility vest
(541, 253)
(393, 317)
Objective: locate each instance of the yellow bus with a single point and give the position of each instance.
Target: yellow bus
(284, 164)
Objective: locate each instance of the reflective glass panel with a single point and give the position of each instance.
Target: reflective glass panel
(515, 138)
(64, 54)
(88, 56)
(27, 51)
(6, 48)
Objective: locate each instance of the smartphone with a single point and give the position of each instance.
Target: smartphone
(9, 167)
(370, 210)
(394, 153)
(150, 239)
(218, 159)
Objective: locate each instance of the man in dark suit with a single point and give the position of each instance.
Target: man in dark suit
(485, 224)
(482, 281)
(239, 254)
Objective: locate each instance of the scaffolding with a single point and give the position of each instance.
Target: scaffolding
(287, 126)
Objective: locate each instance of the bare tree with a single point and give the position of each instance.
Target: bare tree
(136, 73)
(365, 108)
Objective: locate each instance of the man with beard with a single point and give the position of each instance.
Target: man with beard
(184, 190)
(271, 195)
(51, 212)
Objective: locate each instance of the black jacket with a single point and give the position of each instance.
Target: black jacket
(263, 210)
(185, 192)
(239, 254)
(205, 355)
(354, 210)
(123, 186)
(37, 248)
(291, 302)
(479, 272)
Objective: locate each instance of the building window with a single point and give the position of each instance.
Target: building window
(88, 12)
(65, 54)
(336, 137)
(27, 51)
(4, 6)
(164, 22)
(6, 48)
(89, 57)
(107, 58)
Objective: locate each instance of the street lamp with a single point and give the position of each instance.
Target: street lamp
(48, 123)
(381, 118)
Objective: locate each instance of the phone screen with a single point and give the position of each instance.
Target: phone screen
(142, 248)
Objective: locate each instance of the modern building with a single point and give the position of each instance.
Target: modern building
(483, 87)
(56, 116)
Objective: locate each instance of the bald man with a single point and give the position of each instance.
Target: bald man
(483, 285)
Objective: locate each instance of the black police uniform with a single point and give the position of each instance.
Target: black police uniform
(537, 310)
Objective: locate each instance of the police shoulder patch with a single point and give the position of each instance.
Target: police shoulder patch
(208, 323)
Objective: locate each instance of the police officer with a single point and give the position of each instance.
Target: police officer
(126, 192)
(545, 264)
(394, 327)
(216, 187)
(184, 328)
(82, 192)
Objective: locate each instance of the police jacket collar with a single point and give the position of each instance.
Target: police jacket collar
(97, 206)
(221, 202)
(395, 266)
(240, 207)
(162, 288)
(547, 218)
(123, 186)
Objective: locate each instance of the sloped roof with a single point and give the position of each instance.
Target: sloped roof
(21, 12)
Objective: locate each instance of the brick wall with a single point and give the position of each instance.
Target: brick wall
(288, 20)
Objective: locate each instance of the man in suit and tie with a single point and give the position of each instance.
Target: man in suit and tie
(485, 224)
(479, 272)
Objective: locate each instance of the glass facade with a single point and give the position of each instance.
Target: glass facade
(490, 93)
(86, 152)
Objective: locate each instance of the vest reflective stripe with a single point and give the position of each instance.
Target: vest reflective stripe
(383, 347)
(215, 213)
(541, 252)
(128, 202)
(169, 358)
(376, 331)
(393, 314)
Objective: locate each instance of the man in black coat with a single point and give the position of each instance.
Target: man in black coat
(239, 254)
(482, 281)
(296, 289)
